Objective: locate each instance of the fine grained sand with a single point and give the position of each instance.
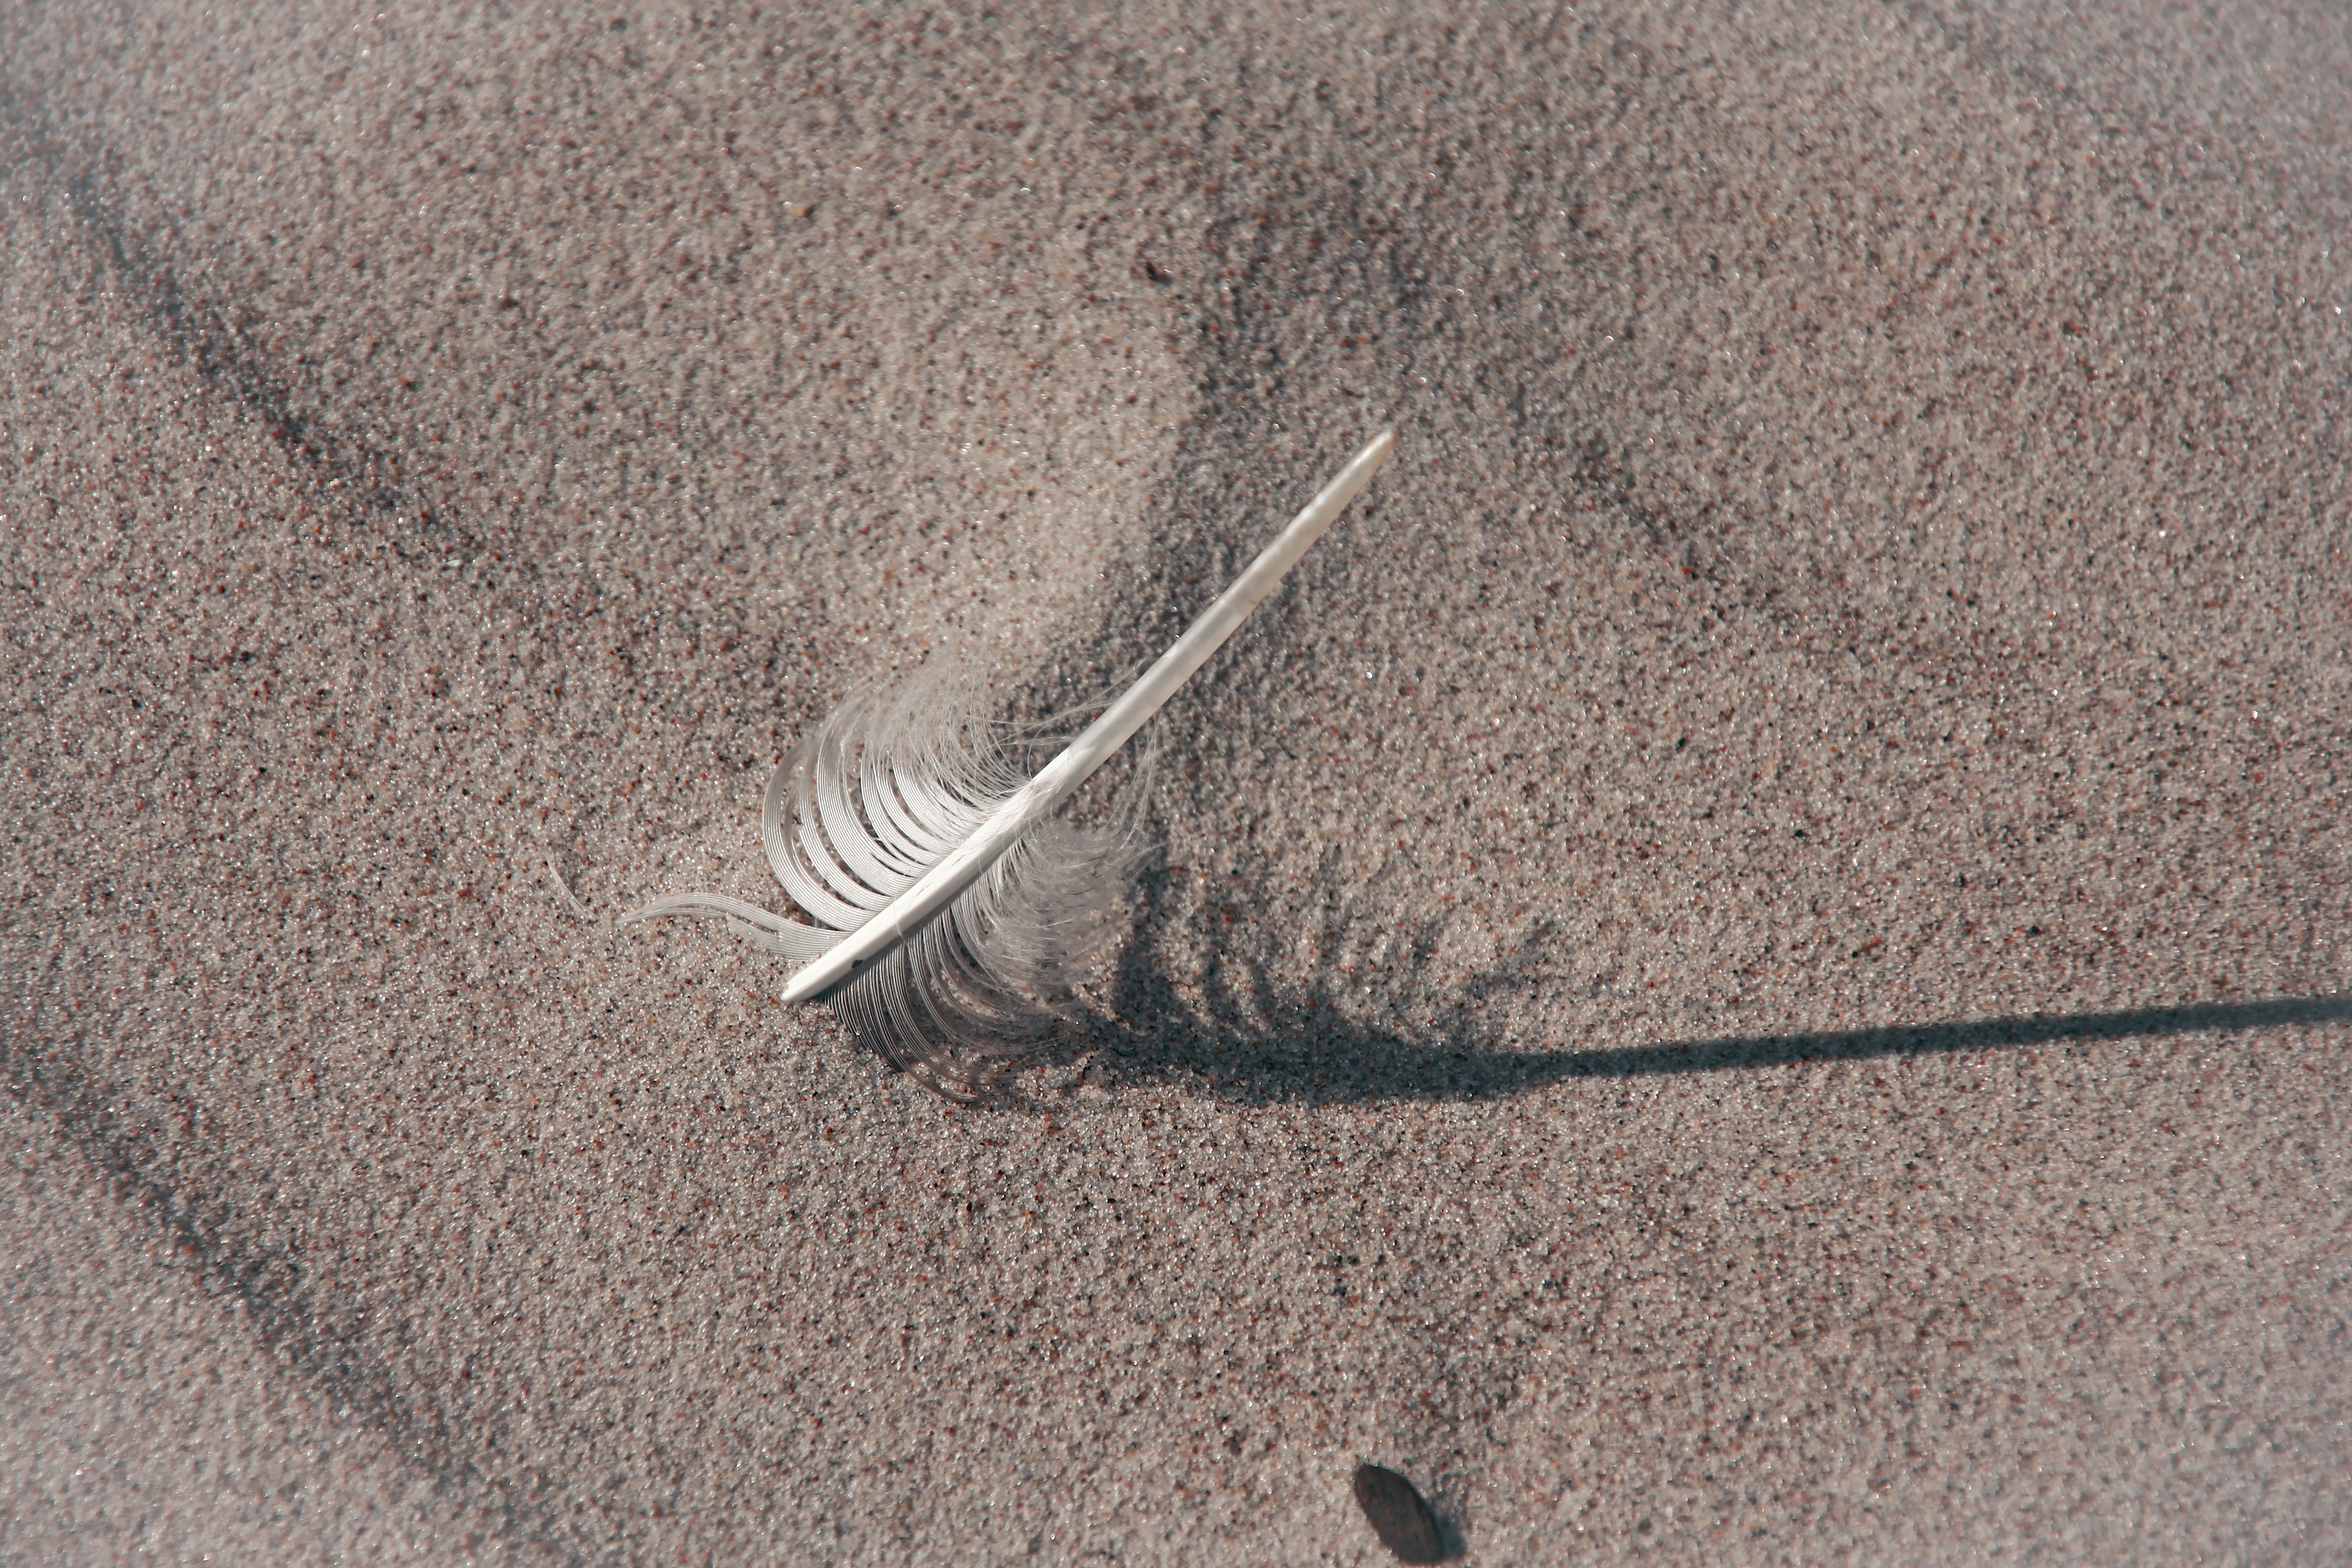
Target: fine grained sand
(1743, 967)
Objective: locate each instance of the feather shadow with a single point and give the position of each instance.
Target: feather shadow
(1243, 1040)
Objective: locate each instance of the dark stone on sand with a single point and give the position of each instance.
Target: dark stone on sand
(1398, 1515)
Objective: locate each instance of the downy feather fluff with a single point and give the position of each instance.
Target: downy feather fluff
(951, 911)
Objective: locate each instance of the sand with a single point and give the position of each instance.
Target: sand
(1748, 965)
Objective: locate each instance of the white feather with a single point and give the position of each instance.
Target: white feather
(950, 909)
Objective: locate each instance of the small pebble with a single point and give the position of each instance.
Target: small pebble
(1398, 1515)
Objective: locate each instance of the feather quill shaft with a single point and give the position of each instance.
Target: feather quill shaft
(934, 890)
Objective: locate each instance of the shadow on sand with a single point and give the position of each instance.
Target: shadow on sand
(1251, 1043)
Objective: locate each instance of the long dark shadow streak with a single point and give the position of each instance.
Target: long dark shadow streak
(1257, 1043)
(1364, 1067)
